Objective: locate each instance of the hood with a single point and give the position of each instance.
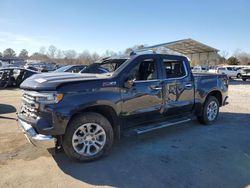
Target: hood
(50, 81)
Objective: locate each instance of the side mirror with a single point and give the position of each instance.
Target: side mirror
(129, 83)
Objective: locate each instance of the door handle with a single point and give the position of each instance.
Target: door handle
(188, 85)
(156, 87)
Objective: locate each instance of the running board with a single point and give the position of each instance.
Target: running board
(155, 126)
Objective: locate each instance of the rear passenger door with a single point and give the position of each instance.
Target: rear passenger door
(178, 84)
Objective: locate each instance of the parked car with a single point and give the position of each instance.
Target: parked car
(200, 69)
(41, 66)
(245, 74)
(229, 71)
(71, 68)
(84, 113)
(14, 76)
(32, 68)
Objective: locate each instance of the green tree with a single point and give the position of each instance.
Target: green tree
(233, 61)
(9, 53)
(24, 54)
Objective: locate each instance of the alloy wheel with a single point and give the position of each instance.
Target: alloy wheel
(89, 139)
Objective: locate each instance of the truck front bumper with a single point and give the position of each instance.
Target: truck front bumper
(35, 138)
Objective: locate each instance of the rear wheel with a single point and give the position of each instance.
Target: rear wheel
(210, 111)
(238, 75)
(88, 137)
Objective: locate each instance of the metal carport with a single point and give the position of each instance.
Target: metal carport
(197, 52)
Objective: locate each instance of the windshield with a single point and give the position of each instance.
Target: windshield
(62, 69)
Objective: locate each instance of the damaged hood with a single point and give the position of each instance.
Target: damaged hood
(50, 81)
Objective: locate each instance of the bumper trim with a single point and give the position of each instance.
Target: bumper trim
(35, 138)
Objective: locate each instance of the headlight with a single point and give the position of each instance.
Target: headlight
(49, 98)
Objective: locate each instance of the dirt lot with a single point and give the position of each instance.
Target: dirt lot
(187, 155)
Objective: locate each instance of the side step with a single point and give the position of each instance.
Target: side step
(154, 126)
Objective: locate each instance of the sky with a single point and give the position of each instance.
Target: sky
(98, 25)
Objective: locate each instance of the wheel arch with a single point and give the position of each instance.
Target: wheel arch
(217, 94)
(105, 110)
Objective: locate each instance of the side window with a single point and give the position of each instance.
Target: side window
(78, 69)
(145, 70)
(229, 68)
(174, 68)
(74, 69)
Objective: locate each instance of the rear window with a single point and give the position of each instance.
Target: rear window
(174, 68)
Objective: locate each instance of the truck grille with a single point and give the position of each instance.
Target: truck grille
(29, 105)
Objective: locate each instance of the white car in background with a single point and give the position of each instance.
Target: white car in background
(229, 71)
(199, 69)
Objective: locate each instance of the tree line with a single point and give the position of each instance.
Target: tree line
(56, 55)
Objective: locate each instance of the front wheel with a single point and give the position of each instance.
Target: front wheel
(238, 75)
(210, 111)
(88, 137)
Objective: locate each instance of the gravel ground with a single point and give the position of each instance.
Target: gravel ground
(187, 155)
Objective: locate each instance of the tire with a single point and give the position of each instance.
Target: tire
(244, 79)
(238, 75)
(210, 103)
(89, 128)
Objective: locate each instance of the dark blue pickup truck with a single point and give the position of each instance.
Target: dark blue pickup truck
(84, 113)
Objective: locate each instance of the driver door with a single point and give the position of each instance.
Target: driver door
(143, 102)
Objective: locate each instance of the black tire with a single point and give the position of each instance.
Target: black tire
(244, 79)
(78, 121)
(238, 75)
(204, 117)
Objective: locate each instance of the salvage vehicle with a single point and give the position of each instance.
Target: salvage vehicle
(40, 66)
(14, 76)
(245, 74)
(85, 113)
(200, 69)
(71, 68)
(105, 65)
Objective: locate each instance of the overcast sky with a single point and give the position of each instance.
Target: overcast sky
(115, 24)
